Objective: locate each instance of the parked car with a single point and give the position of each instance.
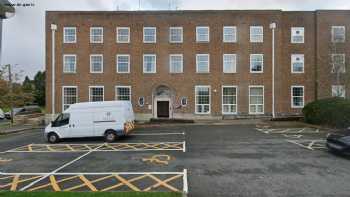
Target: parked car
(2, 115)
(339, 143)
(31, 109)
(108, 119)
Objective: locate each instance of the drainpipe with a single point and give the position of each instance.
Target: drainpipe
(273, 27)
(53, 31)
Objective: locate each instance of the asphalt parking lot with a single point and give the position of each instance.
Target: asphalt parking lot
(206, 160)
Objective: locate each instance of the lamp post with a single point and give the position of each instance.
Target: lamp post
(53, 31)
(273, 27)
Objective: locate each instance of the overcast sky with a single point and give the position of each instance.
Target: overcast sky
(23, 34)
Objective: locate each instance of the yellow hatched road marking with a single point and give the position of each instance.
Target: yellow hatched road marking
(125, 182)
(163, 183)
(121, 184)
(88, 183)
(54, 183)
(48, 184)
(6, 177)
(14, 183)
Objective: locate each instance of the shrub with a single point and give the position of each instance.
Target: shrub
(333, 112)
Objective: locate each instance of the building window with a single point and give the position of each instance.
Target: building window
(141, 101)
(96, 63)
(69, 63)
(338, 33)
(123, 34)
(69, 34)
(229, 99)
(123, 63)
(297, 35)
(149, 34)
(149, 63)
(202, 99)
(297, 63)
(123, 93)
(256, 99)
(256, 63)
(202, 63)
(96, 35)
(338, 63)
(338, 91)
(202, 34)
(96, 93)
(256, 34)
(229, 63)
(183, 101)
(175, 34)
(297, 96)
(70, 96)
(229, 34)
(176, 63)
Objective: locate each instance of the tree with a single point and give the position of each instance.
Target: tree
(39, 88)
(27, 86)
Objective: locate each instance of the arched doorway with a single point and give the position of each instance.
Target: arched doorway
(162, 102)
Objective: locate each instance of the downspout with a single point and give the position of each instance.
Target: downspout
(273, 27)
(53, 31)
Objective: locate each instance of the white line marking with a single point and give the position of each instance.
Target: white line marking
(87, 173)
(185, 189)
(65, 165)
(154, 134)
(81, 151)
(184, 146)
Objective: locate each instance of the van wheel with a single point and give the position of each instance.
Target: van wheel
(53, 138)
(110, 136)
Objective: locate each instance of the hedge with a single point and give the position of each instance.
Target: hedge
(333, 112)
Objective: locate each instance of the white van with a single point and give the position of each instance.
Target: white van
(109, 119)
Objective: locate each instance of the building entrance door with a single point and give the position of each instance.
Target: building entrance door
(163, 109)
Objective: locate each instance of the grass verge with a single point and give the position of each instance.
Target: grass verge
(90, 194)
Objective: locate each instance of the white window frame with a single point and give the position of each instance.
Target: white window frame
(117, 34)
(103, 88)
(155, 63)
(64, 63)
(116, 92)
(291, 96)
(251, 35)
(262, 64)
(76, 95)
(155, 34)
(292, 58)
(336, 87)
(64, 35)
(234, 63)
(332, 62)
(117, 62)
(263, 105)
(234, 28)
(332, 34)
(292, 34)
(91, 36)
(222, 99)
(96, 55)
(197, 35)
(176, 28)
(195, 96)
(182, 62)
(202, 54)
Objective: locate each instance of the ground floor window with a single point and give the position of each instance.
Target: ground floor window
(202, 96)
(256, 99)
(123, 93)
(229, 100)
(338, 91)
(96, 93)
(70, 96)
(297, 96)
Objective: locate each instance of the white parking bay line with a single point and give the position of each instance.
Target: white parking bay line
(155, 134)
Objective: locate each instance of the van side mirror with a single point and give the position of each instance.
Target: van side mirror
(52, 123)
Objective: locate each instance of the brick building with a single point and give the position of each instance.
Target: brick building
(197, 64)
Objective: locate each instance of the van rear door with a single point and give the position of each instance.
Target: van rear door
(81, 124)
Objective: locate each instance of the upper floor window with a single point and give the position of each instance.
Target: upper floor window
(149, 34)
(338, 63)
(202, 99)
(69, 34)
(175, 34)
(297, 63)
(96, 63)
(229, 34)
(229, 63)
(96, 35)
(256, 63)
(69, 63)
(297, 35)
(338, 33)
(96, 93)
(256, 34)
(176, 63)
(123, 34)
(202, 34)
(149, 63)
(202, 63)
(123, 93)
(123, 63)
(297, 96)
(338, 91)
